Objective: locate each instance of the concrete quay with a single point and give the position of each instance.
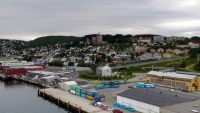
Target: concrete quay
(71, 102)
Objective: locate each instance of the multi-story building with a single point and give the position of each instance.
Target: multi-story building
(174, 38)
(98, 39)
(158, 38)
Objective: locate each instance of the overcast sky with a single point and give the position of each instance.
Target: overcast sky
(28, 19)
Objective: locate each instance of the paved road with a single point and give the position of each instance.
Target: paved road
(145, 63)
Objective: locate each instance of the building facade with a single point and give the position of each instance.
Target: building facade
(177, 80)
(104, 71)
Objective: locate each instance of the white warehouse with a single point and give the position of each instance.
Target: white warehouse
(153, 100)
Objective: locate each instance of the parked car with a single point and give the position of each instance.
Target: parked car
(117, 111)
(110, 109)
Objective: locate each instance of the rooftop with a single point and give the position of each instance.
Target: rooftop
(186, 107)
(82, 82)
(157, 97)
(173, 74)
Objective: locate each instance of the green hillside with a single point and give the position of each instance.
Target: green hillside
(51, 40)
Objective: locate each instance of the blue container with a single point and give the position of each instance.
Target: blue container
(116, 104)
(83, 95)
(150, 86)
(106, 83)
(114, 86)
(92, 93)
(99, 98)
(141, 85)
(106, 86)
(99, 87)
(130, 109)
(125, 81)
(123, 106)
(84, 91)
(114, 83)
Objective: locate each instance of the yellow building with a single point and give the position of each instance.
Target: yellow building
(177, 80)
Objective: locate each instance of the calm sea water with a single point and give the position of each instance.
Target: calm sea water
(19, 97)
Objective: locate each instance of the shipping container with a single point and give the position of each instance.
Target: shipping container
(89, 97)
(77, 88)
(84, 91)
(114, 83)
(141, 84)
(78, 93)
(73, 87)
(150, 86)
(106, 83)
(114, 86)
(92, 93)
(83, 95)
(99, 98)
(106, 86)
(99, 87)
(73, 92)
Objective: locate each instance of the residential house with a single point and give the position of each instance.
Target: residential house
(104, 71)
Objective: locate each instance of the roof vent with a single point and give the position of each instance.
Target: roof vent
(194, 111)
(196, 105)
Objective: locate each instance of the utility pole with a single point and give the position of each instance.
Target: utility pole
(152, 68)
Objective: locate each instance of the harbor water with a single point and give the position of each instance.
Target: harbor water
(19, 97)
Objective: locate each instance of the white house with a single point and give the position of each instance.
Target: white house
(193, 44)
(104, 71)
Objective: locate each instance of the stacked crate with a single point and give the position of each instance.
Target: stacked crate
(78, 91)
(83, 93)
(91, 94)
(114, 84)
(88, 94)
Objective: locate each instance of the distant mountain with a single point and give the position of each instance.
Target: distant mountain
(51, 40)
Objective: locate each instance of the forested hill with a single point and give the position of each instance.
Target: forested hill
(51, 40)
(112, 39)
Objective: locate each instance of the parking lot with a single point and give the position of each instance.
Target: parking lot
(110, 95)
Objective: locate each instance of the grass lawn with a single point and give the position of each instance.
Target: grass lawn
(191, 68)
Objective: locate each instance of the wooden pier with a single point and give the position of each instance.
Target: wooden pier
(33, 83)
(68, 101)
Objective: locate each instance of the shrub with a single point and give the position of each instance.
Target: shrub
(56, 63)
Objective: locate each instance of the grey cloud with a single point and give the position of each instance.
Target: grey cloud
(31, 18)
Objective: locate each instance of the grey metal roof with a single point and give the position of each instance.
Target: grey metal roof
(154, 97)
(184, 107)
(172, 74)
(189, 73)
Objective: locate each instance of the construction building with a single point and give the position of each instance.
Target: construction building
(175, 79)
